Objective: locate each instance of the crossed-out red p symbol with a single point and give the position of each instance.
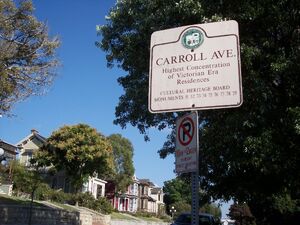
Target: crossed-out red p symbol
(186, 131)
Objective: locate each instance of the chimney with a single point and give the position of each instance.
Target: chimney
(34, 131)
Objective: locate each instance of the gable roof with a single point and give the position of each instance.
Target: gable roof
(33, 134)
(146, 182)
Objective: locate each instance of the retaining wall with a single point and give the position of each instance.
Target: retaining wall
(18, 215)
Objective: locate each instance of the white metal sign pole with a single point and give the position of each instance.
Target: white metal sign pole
(195, 183)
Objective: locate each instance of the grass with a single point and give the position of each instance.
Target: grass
(150, 219)
(133, 217)
(12, 200)
(59, 205)
(122, 216)
(5, 199)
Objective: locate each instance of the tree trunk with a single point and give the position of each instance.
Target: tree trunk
(30, 208)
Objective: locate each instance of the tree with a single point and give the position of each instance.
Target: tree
(27, 54)
(178, 194)
(123, 154)
(247, 153)
(80, 151)
(241, 214)
(26, 182)
(177, 190)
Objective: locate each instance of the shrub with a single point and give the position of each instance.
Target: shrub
(165, 218)
(87, 200)
(83, 199)
(105, 206)
(59, 196)
(43, 192)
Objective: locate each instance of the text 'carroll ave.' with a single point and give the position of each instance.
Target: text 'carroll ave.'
(227, 53)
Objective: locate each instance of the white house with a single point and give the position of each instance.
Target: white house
(157, 194)
(95, 186)
(29, 145)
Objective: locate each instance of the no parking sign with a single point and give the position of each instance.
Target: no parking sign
(186, 152)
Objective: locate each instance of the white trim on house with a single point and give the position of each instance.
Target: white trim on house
(95, 186)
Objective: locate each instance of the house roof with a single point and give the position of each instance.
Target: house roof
(146, 182)
(156, 190)
(34, 134)
(10, 148)
(97, 180)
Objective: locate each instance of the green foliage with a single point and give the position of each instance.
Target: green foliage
(87, 200)
(43, 192)
(178, 194)
(80, 151)
(27, 54)
(25, 181)
(126, 36)
(176, 190)
(60, 196)
(104, 206)
(247, 153)
(285, 204)
(123, 158)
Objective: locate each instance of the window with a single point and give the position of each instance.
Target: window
(28, 158)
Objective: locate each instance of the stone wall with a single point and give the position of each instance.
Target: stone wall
(19, 215)
(90, 217)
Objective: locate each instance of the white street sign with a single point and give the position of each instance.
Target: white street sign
(186, 151)
(195, 67)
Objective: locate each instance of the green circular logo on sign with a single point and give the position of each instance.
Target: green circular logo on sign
(192, 39)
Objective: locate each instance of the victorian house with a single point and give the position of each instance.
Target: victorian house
(126, 201)
(28, 145)
(32, 143)
(142, 195)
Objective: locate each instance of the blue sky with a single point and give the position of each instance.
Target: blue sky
(85, 90)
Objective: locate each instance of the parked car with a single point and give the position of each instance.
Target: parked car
(227, 222)
(204, 219)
